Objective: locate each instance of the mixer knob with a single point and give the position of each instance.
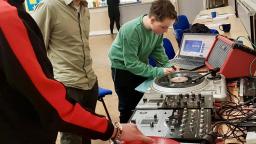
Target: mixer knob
(185, 111)
(144, 100)
(198, 104)
(172, 128)
(152, 124)
(158, 103)
(193, 95)
(201, 120)
(202, 114)
(201, 131)
(161, 96)
(185, 104)
(181, 132)
(178, 104)
(183, 121)
(201, 125)
(173, 121)
(185, 116)
(155, 117)
(165, 103)
(176, 113)
(186, 95)
(168, 104)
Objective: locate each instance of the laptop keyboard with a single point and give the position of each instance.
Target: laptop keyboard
(185, 62)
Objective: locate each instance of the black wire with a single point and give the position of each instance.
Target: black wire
(232, 132)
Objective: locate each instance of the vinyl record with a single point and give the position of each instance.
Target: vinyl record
(157, 140)
(179, 80)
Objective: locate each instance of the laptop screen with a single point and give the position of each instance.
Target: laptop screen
(196, 45)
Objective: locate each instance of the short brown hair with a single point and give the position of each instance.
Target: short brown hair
(162, 9)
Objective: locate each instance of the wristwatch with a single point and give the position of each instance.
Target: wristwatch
(119, 131)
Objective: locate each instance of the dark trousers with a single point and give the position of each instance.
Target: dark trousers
(114, 16)
(88, 100)
(125, 83)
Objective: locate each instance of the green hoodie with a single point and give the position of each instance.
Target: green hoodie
(132, 47)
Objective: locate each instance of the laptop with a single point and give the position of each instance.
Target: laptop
(194, 49)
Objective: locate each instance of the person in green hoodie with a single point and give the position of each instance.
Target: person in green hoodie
(136, 41)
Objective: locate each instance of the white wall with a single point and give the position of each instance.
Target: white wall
(129, 12)
(190, 8)
(100, 21)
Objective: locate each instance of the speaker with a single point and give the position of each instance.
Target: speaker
(233, 58)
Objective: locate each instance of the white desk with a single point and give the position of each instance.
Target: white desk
(224, 15)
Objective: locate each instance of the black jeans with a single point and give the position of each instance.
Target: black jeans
(125, 83)
(87, 99)
(114, 16)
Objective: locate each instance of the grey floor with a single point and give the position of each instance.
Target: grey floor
(99, 49)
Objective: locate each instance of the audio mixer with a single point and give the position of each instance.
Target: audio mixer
(188, 125)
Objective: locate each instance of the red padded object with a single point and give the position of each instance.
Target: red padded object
(157, 140)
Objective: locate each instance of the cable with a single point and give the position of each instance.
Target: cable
(251, 66)
(234, 112)
(233, 131)
(248, 116)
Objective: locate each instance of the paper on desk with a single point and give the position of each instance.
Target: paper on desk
(226, 14)
(221, 17)
(218, 17)
(204, 17)
(143, 87)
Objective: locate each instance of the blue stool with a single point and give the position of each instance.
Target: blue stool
(102, 93)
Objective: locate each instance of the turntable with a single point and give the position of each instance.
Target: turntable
(190, 89)
(179, 82)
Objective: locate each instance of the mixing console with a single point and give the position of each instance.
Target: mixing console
(189, 125)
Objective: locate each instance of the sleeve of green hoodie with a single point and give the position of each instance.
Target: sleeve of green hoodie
(131, 44)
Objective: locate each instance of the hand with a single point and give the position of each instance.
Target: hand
(131, 133)
(176, 68)
(168, 71)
